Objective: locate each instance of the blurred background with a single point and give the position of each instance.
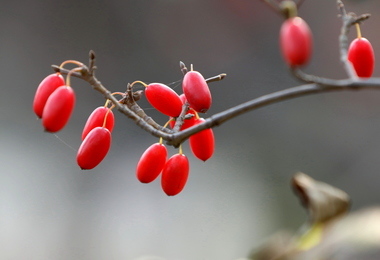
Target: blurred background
(50, 209)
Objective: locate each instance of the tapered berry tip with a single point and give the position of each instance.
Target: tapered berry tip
(48, 131)
(145, 182)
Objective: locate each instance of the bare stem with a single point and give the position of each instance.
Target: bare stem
(348, 19)
(133, 111)
(281, 7)
(286, 94)
(174, 137)
(274, 5)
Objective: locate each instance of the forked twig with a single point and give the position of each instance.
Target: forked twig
(175, 137)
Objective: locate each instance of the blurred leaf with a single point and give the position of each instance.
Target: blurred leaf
(322, 201)
(330, 235)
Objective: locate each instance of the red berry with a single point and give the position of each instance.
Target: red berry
(183, 98)
(362, 57)
(151, 163)
(296, 41)
(97, 119)
(175, 174)
(58, 108)
(202, 143)
(164, 99)
(44, 90)
(196, 91)
(94, 148)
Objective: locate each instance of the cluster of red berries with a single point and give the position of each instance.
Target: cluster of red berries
(296, 46)
(96, 138)
(54, 102)
(175, 170)
(55, 99)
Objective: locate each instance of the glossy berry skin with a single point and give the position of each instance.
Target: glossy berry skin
(202, 143)
(183, 98)
(94, 148)
(58, 109)
(164, 99)
(295, 41)
(151, 163)
(97, 119)
(196, 90)
(174, 175)
(44, 90)
(362, 57)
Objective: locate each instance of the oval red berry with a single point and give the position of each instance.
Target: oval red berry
(164, 99)
(175, 174)
(196, 91)
(296, 41)
(97, 118)
(44, 90)
(202, 143)
(94, 148)
(58, 109)
(362, 57)
(151, 163)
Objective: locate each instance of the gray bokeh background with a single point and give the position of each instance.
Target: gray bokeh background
(50, 209)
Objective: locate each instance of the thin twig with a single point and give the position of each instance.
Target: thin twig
(348, 20)
(216, 78)
(308, 78)
(274, 5)
(299, 3)
(181, 118)
(317, 85)
(175, 139)
(282, 6)
(134, 112)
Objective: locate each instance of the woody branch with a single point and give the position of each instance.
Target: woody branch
(315, 85)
